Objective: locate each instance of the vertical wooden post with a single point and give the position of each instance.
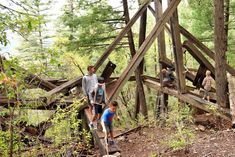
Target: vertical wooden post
(140, 96)
(162, 56)
(220, 56)
(178, 53)
(142, 36)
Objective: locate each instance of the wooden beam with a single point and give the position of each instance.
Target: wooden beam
(39, 82)
(199, 56)
(178, 53)
(204, 48)
(161, 104)
(144, 47)
(140, 88)
(189, 98)
(139, 85)
(65, 87)
(121, 34)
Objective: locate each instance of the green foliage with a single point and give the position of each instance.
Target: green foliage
(92, 25)
(179, 119)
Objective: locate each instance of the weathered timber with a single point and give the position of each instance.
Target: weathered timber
(187, 97)
(178, 53)
(203, 48)
(144, 47)
(39, 82)
(121, 34)
(162, 98)
(199, 57)
(139, 86)
(108, 70)
(55, 81)
(65, 87)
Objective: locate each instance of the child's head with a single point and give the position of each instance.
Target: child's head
(91, 69)
(100, 80)
(208, 73)
(113, 106)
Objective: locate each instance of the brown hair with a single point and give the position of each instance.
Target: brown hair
(89, 67)
(114, 103)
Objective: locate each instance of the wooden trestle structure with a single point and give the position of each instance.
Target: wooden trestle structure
(134, 71)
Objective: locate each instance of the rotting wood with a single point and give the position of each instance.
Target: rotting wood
(139, 86)
(161, 104)
(189, 98)
(65, 87)
(204, 48)
(143, 49)
(199, 57)
(178, 53)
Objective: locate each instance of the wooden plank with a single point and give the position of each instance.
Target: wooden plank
(121, 34)
(199, 56)
(108, 70)
(204, 48)
(189, 98)
(143, 49)
(65, 87)
(38, 82)
(178, 53)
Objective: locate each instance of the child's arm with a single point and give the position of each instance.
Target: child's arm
(204, 82)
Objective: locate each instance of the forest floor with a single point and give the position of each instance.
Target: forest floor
(149, 142)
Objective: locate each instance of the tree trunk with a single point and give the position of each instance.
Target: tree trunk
(220, 57)
(226, 26)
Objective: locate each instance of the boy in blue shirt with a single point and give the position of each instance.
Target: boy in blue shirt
(106, 120)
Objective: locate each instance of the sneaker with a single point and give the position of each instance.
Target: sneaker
(111, 142)
(233, 126)
(95, 126)
(91, 126)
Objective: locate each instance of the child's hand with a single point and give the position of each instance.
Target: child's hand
(118, 118)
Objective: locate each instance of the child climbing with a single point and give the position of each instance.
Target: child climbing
(168, 77)
(207, 81)
(88, 83)
(106, 121)
(98, 100)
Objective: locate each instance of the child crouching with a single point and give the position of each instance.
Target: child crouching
(106, 121)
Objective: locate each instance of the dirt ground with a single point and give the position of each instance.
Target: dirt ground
(148, 142)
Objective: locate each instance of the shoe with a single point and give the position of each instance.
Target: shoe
(95, 126)
(91, 126)
(111, 142)
(233, 126)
